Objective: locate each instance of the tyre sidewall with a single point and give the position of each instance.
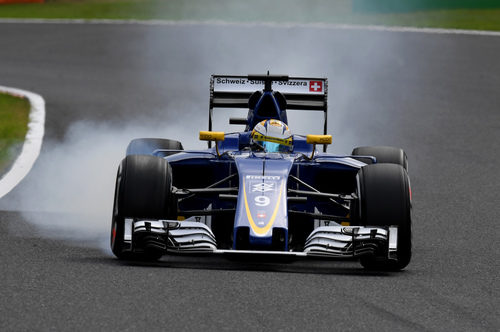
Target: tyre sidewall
(118, 221)
(384, 195)
(143, 190)
(146, 187)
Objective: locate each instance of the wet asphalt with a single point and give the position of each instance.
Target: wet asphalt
(435, 95)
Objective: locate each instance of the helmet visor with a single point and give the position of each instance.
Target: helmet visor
(271, 147)
(275, 147)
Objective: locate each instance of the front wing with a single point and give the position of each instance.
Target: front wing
(192, 237)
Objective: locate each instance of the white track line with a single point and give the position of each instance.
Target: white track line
(32, 143)
(253, 24)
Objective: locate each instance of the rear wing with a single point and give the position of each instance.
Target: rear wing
(301, 93)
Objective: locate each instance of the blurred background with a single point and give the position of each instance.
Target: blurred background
(462, 14)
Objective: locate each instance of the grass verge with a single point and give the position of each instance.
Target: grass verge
(14, 115)
(290, 11)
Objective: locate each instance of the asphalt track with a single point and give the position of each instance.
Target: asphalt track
(435, 95)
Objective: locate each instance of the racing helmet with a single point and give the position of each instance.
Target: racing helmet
(273, 136)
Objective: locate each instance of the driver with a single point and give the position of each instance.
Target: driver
(272, 136)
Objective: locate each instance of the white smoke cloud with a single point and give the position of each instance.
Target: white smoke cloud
(72, 186)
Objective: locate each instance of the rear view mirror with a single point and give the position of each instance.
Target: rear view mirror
(211, 136)
(319, 139)
(216, 136)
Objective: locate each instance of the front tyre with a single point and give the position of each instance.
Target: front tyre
(385, 200)
(383, 154)
(153, 146)
(143, 190)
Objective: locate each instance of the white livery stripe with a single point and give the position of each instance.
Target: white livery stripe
(32, 143)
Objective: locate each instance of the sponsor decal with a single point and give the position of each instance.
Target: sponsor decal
(244, 81)
(292, 83)
(315, 86)
(263, 177)
(230, 80)
(237, 81)
(263, 187)
(301, 86)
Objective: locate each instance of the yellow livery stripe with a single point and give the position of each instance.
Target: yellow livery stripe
(261, 230)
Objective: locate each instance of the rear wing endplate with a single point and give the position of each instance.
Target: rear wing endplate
(301, 93)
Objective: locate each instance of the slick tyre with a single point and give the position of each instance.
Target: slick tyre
(385, 200)
(383, 154)
(143, 190)
(150, 145)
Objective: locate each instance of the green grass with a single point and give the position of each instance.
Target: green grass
(469, 19)
(14, 116)
(289, 11)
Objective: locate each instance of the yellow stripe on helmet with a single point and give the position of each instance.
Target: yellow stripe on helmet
(283, 141)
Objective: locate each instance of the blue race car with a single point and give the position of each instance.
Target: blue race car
(263, 191)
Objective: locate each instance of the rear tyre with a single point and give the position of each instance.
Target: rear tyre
(143, 190)
(150, 145)
(385, 200)
(383, 154)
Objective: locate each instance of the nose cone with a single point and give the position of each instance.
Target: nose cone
(261, 211)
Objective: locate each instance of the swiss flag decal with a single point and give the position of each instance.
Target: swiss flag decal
(315, 86)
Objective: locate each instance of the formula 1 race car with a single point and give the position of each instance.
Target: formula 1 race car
(263, 191)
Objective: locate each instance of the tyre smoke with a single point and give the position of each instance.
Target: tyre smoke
(70, 192)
